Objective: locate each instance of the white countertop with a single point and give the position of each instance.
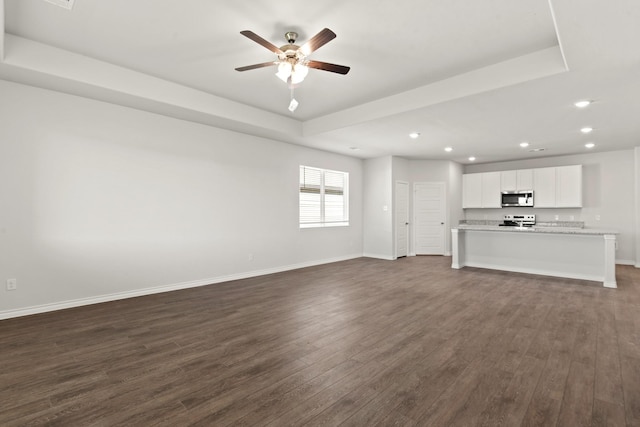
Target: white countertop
(534, 229)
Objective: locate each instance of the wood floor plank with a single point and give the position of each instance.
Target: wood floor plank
(577, 401)
(467, 396)
(607, 414)
(509, 408)
(631, 388)
(545, 403)
(368, 342)
(608, 376)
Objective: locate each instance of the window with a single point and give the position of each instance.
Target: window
(324, 198)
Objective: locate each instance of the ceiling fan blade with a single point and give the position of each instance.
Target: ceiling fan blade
(256, 38)
(254, 66)
(317, 41)
(334, 68)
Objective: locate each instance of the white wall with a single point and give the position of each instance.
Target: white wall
(608, 191)
(101, 201)
(378, 208)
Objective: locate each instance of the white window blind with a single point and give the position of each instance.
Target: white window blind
(323, 197)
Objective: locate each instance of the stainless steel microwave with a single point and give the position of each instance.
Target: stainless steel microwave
(517, 198)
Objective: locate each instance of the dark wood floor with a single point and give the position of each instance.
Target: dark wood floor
(358, 343)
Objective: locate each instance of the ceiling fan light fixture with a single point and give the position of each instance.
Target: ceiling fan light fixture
(298, 73)
(284, 71)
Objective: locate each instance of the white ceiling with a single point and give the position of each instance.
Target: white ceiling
(477, 76)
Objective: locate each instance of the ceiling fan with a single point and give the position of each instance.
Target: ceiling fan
(292, 61)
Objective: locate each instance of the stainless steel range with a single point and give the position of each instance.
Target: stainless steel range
(519, 221)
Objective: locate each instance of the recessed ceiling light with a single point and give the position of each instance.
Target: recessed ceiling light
(472, 159)
(524, 144)
(535, 150)
(589, 145)
(354, 148)
(448, 149)
(586, 130)
(582, 104)
(414, 135)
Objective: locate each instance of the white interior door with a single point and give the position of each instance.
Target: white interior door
(430, 205)
(402, 218)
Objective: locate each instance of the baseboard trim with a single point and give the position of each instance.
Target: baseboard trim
(626, 262)
(578, 276)
(378, 256)
(44, 308)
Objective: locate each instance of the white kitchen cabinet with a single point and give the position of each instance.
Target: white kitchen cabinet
(491, 190)
(544, 187)
(516, 180)
(472, 190)
(569, 186)
(524, 179)
(508, 181)
(553, 187)
(481, 190)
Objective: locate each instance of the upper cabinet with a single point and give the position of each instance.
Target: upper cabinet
(524, 179)
(518, 180)
(508, 181)
(481, 190)
(569, 186)
(544, 188)
(559, 187)
(553, 187)
(491, 190)
(472, 190)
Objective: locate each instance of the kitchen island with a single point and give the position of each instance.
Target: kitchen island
(576, 253)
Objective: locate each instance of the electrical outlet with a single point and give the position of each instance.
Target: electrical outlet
(12, 284)
(250, 257)
(597, 217)
(557, 217)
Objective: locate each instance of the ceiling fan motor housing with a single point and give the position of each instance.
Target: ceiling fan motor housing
(291, 36)
(291, 53)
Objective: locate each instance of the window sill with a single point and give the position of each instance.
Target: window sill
(325, 225)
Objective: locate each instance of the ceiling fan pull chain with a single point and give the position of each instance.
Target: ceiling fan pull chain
(293, 104)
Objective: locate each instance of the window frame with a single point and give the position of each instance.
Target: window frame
(323, 192)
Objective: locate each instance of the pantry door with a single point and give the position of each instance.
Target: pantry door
(430, 214)
(402, 219)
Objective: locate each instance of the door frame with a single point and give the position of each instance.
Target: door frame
(395, 218)
(445, 201)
